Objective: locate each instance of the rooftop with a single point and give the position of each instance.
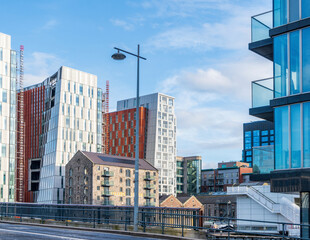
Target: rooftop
(111, 160)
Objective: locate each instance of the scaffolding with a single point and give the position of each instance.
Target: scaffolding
(20, 152)
(105, 119)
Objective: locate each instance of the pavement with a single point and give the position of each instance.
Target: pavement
(28, 232)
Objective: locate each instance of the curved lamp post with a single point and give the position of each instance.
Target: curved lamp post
(120, 56)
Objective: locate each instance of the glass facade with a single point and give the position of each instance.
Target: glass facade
(281, 138)
(263, 159)
(305, 60)
(287, 11)
(280, 66)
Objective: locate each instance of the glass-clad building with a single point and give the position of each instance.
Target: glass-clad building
(255, 134)
(287, 45)
(189, 175)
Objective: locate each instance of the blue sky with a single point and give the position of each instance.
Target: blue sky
(196, 50)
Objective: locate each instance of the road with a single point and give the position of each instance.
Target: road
(16, 231)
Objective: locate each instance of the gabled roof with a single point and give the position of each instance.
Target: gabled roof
(111, 160)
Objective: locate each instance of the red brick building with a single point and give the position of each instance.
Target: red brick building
(122, 132)
(33, 108)
(226, 175)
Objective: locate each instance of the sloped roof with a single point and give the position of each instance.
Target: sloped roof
(111, 160)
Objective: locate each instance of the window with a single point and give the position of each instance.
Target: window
(77, 100)
(70, 182)
(127, 173)
(279, 12)
(128, 201)
(264, 139)
(4, 96)
(70, 172)
(128, 182)
(280, 65)
(81, 89)
(282, 137)
(265, 133)
(127, 191)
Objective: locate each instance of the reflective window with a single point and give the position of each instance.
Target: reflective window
(306, 60)
(248, 134)
(265, 133)
(256, 139)
(1, 54)
(0, 79)
(280, 66)
(295, 136)
(4, 96)
(282, 138)
(264, 139)
(256, 133)
(294, 10)
(248, 146)
(306, 134)
(294, 63)
(305, 8)
(279, 12)
(247, 140)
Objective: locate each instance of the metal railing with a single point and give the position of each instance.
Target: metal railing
(150, 218)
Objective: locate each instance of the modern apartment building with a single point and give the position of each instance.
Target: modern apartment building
(63, 114)
(227, 174)
(8, 78)
(122, 132)
(189, 175)
(161, 136)
(101, 179)
(256, 135)
(285, 98)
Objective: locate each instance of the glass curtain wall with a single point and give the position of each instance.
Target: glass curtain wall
(292, 129)
(281, 138)
(286, 11)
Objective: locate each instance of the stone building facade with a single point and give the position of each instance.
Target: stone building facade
(101, 179)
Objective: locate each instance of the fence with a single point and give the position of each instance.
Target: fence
(152, 217)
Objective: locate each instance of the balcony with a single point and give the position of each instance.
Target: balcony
(152, 204)
(149, 186)
(107, 183)
(149, 195)
(107, 202)
(149, 178)
(107, 174)
(106, 193)
(262, 93)
(261, 42)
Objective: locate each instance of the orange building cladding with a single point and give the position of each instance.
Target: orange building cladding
(121, 134)
(33, 109)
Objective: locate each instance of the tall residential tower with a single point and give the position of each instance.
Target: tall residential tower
(161, 136)
(8, 75)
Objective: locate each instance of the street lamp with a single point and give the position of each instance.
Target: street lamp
(121, 56)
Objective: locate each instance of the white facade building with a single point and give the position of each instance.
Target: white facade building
(72, 121)
(257, 203)
(161, 136)
(8, 69)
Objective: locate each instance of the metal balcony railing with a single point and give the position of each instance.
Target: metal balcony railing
(107, 183)
(149, 178)
(149, 186)
(262, 92)
(260, 26)
(107, 174)
(149, 195)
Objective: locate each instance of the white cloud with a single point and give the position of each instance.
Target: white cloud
(212, 104)
(50, 24)
(39, 66)
(124, 24)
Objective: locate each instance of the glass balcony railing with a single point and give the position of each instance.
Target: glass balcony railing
(262, 92)
(263, 159)
(260, 26)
